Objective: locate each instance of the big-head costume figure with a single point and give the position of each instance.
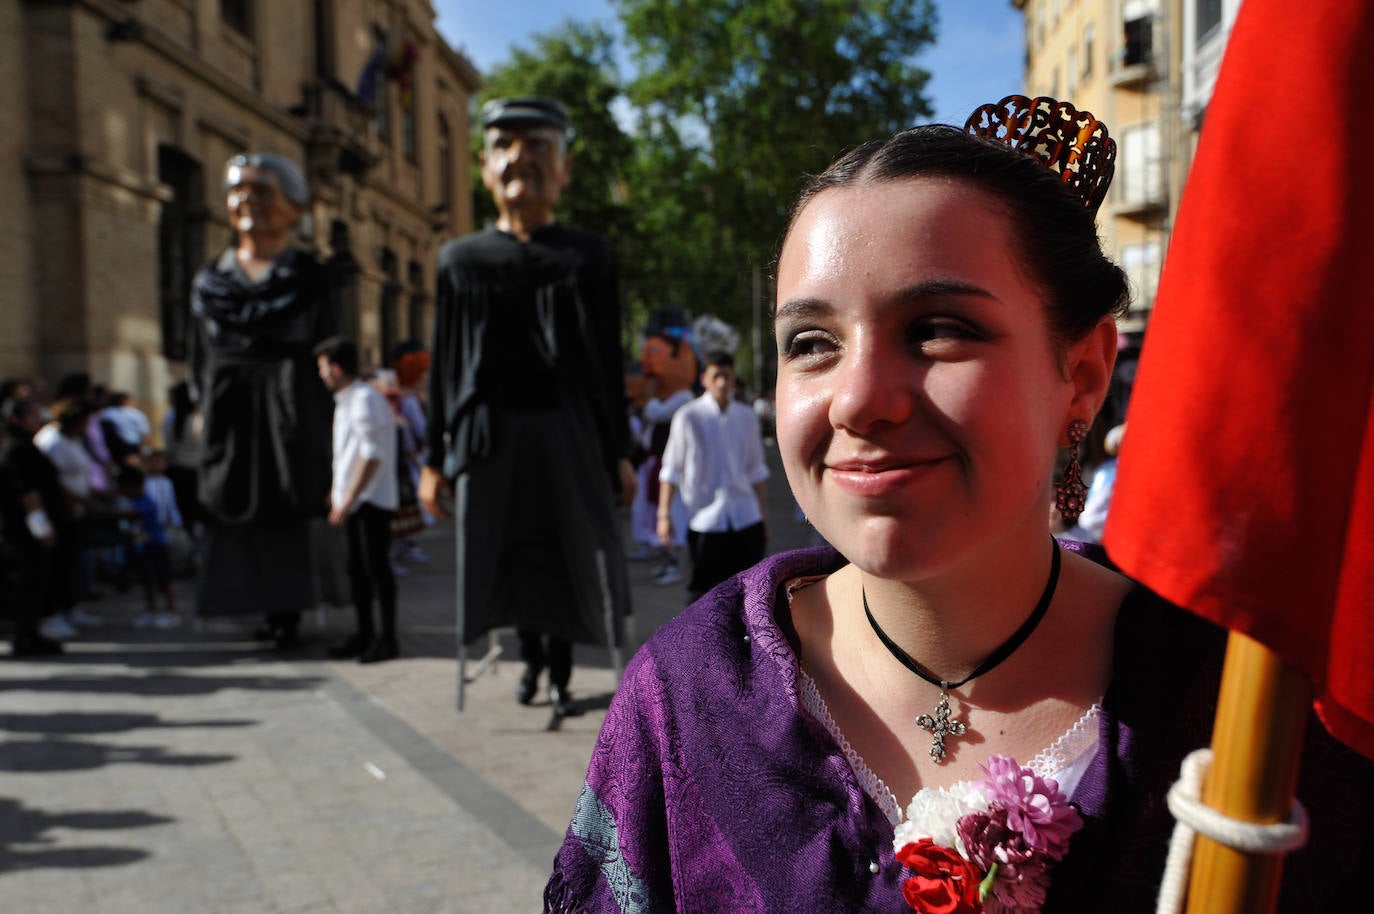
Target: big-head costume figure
(527, 403)
(258, 310)
(670, 367)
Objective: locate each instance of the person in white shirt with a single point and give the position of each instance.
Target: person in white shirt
(714, 458)
(363, 497)
(60, 442)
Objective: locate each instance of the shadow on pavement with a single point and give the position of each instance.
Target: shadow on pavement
(21, 825)
(70, 723)
(51, 755)
(157, 684)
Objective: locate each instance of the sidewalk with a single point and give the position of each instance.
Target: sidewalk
(195, 771)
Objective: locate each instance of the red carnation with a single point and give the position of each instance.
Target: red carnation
(944, 882)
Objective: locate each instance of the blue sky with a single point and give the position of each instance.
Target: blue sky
(977, 56)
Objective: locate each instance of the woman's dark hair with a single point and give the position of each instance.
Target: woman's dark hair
(1055, 233)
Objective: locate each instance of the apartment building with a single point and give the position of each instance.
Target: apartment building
(120, 116)
(1146, 68)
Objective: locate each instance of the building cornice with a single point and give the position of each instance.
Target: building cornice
(459, 63)
(104, 172)
(156, 40)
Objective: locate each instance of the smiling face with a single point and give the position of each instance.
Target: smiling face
(920, 399)
(525, 168)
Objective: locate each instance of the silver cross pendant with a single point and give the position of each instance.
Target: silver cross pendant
(940, 726)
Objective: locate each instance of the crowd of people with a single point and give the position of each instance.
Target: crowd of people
(94, 497)
(88, 497)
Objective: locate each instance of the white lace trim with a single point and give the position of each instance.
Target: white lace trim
(1068, 752)
(873, 785)
(1064, 759)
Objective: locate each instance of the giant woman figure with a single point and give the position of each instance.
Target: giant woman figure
(259, 309)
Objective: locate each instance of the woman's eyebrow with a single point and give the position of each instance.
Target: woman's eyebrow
(943, 288)
(805, 307)
(801, 308)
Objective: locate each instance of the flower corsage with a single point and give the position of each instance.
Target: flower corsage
(985, 846)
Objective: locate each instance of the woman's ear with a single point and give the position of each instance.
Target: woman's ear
(1090, 364)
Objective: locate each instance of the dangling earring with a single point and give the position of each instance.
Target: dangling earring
(1070, 492)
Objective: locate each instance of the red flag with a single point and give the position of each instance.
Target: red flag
(1245, 490)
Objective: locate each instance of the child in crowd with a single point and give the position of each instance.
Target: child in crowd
(147, 554)
(159, 487)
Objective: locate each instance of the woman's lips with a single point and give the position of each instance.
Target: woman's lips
(878, 478)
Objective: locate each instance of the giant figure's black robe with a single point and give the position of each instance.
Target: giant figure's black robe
(266, 420)
(528, 420)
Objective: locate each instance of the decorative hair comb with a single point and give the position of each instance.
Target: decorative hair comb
(1069, 142)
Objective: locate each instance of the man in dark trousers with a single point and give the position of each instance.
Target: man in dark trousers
(527, 404)
(32, 522)
(363, 498)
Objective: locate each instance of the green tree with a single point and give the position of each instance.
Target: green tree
(739, 100)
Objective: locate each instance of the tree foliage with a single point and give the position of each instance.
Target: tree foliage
(735, 102)
(755, 95)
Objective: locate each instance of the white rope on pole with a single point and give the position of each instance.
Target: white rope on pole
(1195, 818)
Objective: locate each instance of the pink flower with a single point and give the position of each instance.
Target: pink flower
(1035, 807)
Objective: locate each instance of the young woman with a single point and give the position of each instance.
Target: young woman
(856, 731)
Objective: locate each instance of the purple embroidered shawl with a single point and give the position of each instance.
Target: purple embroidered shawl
(711, 790)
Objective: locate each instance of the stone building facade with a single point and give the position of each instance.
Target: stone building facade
(119, 117)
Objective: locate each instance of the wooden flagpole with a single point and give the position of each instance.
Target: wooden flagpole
(1257, 743)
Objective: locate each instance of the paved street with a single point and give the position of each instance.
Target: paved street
(197, 771)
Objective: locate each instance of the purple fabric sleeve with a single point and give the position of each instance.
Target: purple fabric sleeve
(709, 790)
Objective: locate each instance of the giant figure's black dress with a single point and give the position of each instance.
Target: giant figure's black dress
(528, 419)
(265, 465)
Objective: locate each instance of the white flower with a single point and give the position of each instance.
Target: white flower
(935, 812)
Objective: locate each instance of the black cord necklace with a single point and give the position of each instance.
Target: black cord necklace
(940, 726)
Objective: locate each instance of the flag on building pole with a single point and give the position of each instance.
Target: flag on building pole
(1245, 488)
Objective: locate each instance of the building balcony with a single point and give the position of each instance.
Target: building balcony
(1133, 64)
(1140, 207)
(1127, 74)
(340, 138)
